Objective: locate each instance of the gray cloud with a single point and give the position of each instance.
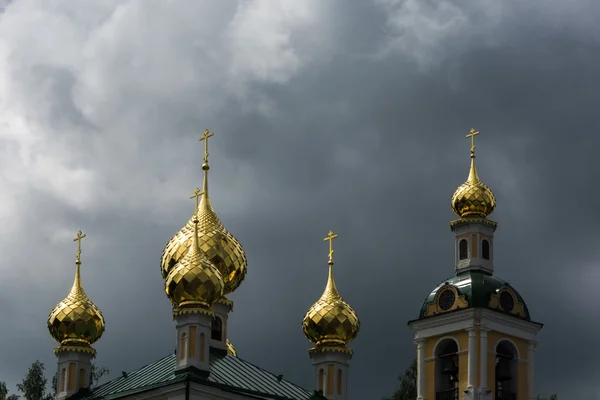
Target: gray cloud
(348, 116)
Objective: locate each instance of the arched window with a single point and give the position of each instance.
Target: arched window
(446, 369)
(202, 346)
(62, 385)
(216, 332)
(463, 249)
(321, 379)
(182, 345)
(81, 378)
(339, 381)
(485, 249)
(506, 373)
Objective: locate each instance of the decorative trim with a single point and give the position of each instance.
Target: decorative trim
(440, 320)
(518, 308)
(467, 221)
(529, 327)
(463, 319)
(193, 310)
(434, 308)
(226, 302)
(331, 349)
(76, 349)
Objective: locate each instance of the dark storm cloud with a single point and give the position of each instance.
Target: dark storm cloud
(371, 146)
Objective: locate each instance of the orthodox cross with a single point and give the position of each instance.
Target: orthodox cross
(80, 235)
(471, 135)
(330, 237)
(207, 134)
(196, 195)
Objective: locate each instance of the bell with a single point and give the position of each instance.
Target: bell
(451, 368)
(503, 370)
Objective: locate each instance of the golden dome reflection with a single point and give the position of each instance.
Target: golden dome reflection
(214, 240)
(331, 322)
(194, 283)
(473, 198)
(76, 322)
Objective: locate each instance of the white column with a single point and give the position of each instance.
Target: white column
(483, 355)
(471, 374)
(420, 369)
(530, 367)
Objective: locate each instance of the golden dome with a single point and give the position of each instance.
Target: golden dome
(473, 198)
(331, 322)
(76, 322)
(220, 246)
(230, 349)
(194, 283)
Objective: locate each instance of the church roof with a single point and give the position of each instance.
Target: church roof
(477, 287)
(228, 373)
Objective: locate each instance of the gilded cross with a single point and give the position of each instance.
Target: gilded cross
(80, 235)
(330, 237)
(196, 195)
(471, 135)
(207, 134)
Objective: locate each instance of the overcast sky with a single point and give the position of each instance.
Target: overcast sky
(341, 115)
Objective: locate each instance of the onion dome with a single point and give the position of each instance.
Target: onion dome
(230, 349)
(194, 283)
(473, 198)
(331, 323)
(76, 322)
(215, 241)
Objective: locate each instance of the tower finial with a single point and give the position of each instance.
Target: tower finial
(471, 135)
(473, 177)
(204, 138)
(330, 237)
(197, 194)
(80, 235)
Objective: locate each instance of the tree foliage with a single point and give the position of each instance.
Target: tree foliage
(97, 373)
(33, 386)
(4, 393)
(408, 384)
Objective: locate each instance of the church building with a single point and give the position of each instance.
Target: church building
(475, 337)
(200, 265)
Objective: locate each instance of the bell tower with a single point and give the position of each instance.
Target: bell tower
(474, 336)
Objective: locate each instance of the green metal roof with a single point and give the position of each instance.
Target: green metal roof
(228, 373)
(476, 286)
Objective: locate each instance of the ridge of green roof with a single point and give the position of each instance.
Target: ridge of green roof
(227, 373)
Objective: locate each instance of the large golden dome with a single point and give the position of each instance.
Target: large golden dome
(194, 282)
(76, 322)
(473, 198)
(331, 322)
(220, 246)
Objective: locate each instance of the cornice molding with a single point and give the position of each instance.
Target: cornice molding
(441, 320)
(525, 326)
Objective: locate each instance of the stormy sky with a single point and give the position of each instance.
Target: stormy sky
(328, 115)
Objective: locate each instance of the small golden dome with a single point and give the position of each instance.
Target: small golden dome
(230, 349)
(76, 322)
(220, 246)
(331, 322)
(194, 282)
(473, 198)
